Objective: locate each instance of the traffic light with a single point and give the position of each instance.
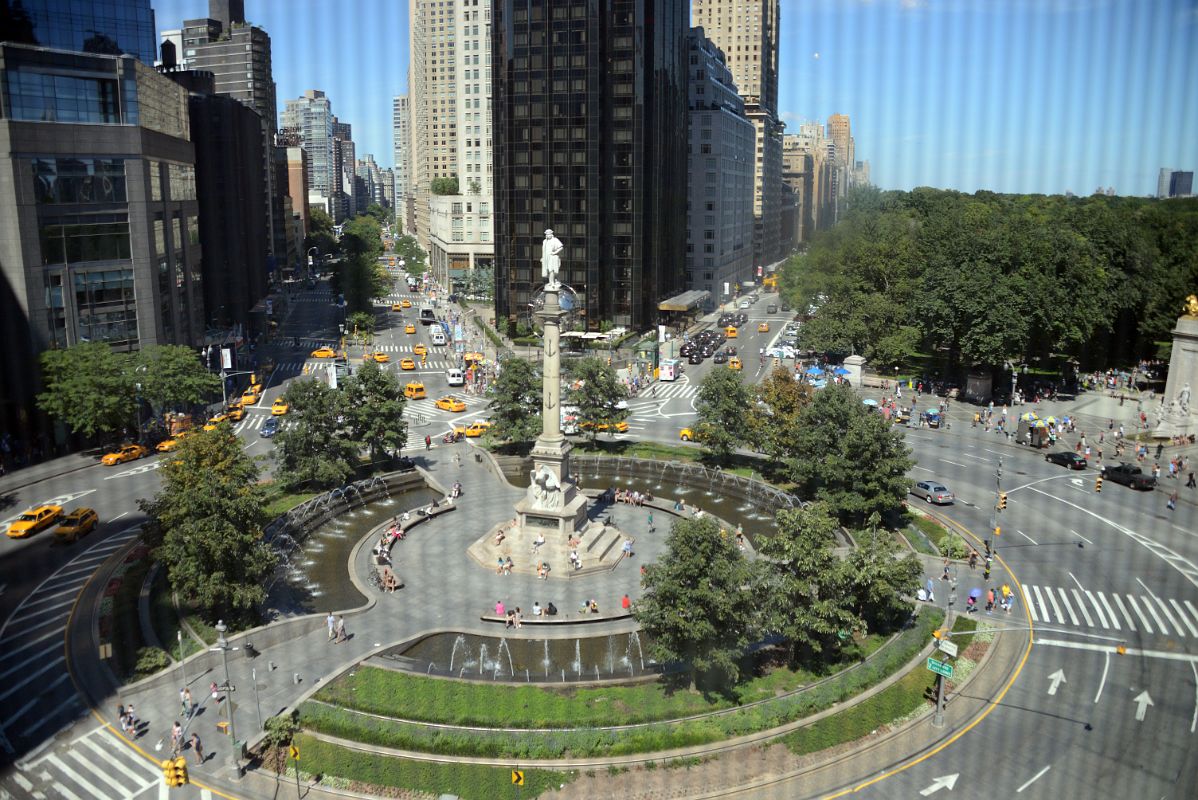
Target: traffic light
(174, 771)
(1002, 501)
(1098, 484)
(998, 530)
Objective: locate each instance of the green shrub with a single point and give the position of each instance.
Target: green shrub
(151, 660)
(953, 546)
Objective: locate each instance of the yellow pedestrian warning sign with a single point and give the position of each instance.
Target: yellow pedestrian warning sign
(518, 777)
(295, 752)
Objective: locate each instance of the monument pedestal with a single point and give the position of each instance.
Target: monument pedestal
(1178, 415)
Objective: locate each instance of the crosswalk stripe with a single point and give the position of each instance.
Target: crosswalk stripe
(1155, 616)
(115, 755)
(1126, 617)
(1040, 601)
(1136, 608)
(1097, 608)
(22, 781)
(1031, 604)
(1169, 615)
(53, 664)
(1190, 606)
(35, 700)
(1081, 605)
(1110, 611)
(1052, 597)
(55, 645)
(93, 769)
(73, 775)
(1068, 606)
(1184, 617)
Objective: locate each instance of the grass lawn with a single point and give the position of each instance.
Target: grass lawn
(509, 703)
(279, 503)
(343, 768)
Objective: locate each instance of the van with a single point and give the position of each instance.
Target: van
(437, 335)
(455, 377)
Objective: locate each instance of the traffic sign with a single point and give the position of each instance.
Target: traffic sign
(947, 647)
(295, 752)
(518, 777)
(940, 667)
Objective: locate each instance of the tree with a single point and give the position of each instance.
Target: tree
(407, 248)
(770, 428)
(444, 186)
(173, 377)
(873, 582)
(320, 233)
(313, 450)
(721, 404)
(361, 324)
(374, 406)
(516, 401)
(693, 606)
(206, 524)
(384, 216)
(597, 394)
(89, 387)
(849, 457)
(798, 588)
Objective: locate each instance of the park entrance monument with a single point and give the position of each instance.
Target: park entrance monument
(1178, 414)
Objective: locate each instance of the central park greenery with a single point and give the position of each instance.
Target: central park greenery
(987, 279)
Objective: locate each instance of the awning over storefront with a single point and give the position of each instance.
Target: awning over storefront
(686, 301)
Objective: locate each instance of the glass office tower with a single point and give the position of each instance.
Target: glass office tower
(108, 27)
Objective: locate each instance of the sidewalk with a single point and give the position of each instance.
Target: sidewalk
(44, 470)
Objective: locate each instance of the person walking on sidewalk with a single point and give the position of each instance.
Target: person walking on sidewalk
(197, 748)
(176, 739)
(341, 634)
(331, 621)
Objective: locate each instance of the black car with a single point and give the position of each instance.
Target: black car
(1130, 475)
(785, 307)
(695, 358)
(1067, 459)
(729, 350)
(720, 358)
(741, 318)
(269, 428)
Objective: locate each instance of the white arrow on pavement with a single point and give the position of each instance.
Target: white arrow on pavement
(1077, 481)
(1142, 702)
(943, 782)
(1057, 679)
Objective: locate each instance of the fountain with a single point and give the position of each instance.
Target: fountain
(482, 657)
(635, 637)
(577, 663)
(458, 642)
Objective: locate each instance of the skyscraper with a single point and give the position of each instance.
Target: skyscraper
(1162, 181)
(719, 246)
(590, 112)
(401, 134)
(433, 91)
(1181, 183)
(747, 32)
(114, 27)
(311, 117)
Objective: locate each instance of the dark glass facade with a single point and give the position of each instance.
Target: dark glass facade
(108, 27)
(590, 139)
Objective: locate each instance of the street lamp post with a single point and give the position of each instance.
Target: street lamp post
(223, 644)
(182, 666)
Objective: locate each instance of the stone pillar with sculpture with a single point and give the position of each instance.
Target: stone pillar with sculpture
(1178, 415)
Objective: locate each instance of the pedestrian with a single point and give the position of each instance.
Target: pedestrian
(428, 442)
(341, 635)
(931, 593)
(626, 603)
(197, 748)
(188, 703)
(990, 601)
(176, 739)
(651, 528)
(627, 548)
(1190, 483)
(331, 621)
(944, 573)
(973, 559)
(1172, 504)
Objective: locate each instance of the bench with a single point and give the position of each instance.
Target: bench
(558, 619)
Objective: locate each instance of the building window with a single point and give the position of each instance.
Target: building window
(73, 244)
(58, 98)
(79, 180)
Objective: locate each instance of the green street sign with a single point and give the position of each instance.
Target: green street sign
(940, 667)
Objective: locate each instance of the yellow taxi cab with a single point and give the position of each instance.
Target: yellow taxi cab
(409, 328)
(127, 452)
(33, 521)
(619, 427)
(474, 429)
(250, 396)
(730, 332)
(405, 303)
(414, 391)
(324, 352)
(397, 307)
(378, 357)
(763, 327)
(420, 350)
(279, 407)
(79, 522)
(450, 403)
(211, 424)
(170, 444)
(687, 434)
(407, 363)
(734, 363)
(235, 413)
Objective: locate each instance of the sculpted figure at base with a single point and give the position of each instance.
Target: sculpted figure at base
(544, 490)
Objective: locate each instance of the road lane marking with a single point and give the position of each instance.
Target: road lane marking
(1052, 597)
(1111, 612)
(1025, 536)
(1040, 601)
(1136, 608)
(1068, 607)
(1078, 535)
(1194, 719)
(1190, 606)
(1097, 610)
(1075, 580)
(954, 463)
(1155, 616)
(1164, 609)
(93, 768)
(73, 775)
(1102, 681)
(1033, 779)
(1081, 605)
(39, 654)
(1184, 618)
(1123, 611)
(1164, 655)
(1169, 616)
(45, 668)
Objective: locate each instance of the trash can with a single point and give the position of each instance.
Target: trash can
(478, 457)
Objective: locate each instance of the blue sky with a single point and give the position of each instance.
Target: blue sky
(1005, 95)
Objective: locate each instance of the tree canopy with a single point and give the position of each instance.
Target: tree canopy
(407, 248)
(596, 393)
(374, 406)
(312, 450)
(987, 279)
(722, 404)
(206, 524)
(173, 376)
(360, 277)
(89, 387)
(515, 411)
